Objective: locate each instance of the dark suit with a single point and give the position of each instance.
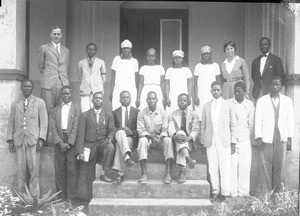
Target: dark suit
(94, 136)
(125, 143)
(65, 163)
(24, 129)
(54, 72)
(273, 67)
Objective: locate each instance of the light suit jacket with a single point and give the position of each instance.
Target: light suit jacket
(224, 124)
(73, 120)
(192, 123)
(265, 118)
(30, 125)
(53, 66)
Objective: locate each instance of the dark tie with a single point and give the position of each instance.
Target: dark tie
(126, 117)
(183, 121)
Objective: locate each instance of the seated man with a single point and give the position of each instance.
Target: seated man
(152, 126)
(184, 129)
(95, 132)
(126, 136)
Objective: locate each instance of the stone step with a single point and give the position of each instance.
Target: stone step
(148, 207)
(192, 189)
(157, 171)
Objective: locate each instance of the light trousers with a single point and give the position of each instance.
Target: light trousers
(240, 169)
(182, 150)
(218, 157)
(86, 102)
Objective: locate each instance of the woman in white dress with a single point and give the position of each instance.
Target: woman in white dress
(178, 80)
(205, 73)
(151, 79)
(124, 75)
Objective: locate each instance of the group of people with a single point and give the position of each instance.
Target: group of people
(173, 110)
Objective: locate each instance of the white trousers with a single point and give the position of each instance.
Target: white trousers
(218, 157)
(240, 169)
(86, 102)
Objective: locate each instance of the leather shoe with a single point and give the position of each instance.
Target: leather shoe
(191, 162)
(129, 162)
(119, 179)
(105, 178)
(181, 178)
(214, 198)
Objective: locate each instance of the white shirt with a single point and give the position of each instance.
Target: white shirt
(263, 63)
(152, 74)
(56, 45)
(123, 114)
(215, 112)
(229, 65)
(65, 109)
(97, 115)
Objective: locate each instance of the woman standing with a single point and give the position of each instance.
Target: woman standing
(233, 69)
(124, 75)
(151, 79)
(205, 73)
(178, 80)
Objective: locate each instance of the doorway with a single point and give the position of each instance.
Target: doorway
(162, 29)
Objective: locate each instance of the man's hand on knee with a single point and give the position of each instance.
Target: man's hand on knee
(11, 146)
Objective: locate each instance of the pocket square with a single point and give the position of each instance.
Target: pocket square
(271, 66)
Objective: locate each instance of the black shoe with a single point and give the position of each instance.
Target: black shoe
(119, 179)
(129, 162)
(191, 162)
(214, 198)
(105, 178)
(181, 178)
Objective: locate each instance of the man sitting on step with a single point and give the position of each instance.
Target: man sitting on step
(184, 129)
(126, 136)
(152, 126)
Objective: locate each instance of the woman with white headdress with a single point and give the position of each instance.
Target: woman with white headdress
(205, 73)
(124, 75)
(178, 80)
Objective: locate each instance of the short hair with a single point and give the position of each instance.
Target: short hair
(56, 27)
(27, 80)
(98, 92)
(214, 83)
(151, 92)
(66, 87)
(240, 84)
(89, 44)
(184, 94)
(265, 38)
(277, 78)
(125, 91)
(229, 43)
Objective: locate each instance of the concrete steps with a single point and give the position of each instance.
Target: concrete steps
(191, 189)
(147, 206)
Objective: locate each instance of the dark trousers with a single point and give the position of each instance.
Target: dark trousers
(99, 151)
(66, 172)
(272, 164)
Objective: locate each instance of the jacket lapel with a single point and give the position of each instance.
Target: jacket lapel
(20, 105)
(71, 112)
(102, 117)
(93, 117)
(62, 53)
(189, 116)
(119, 116)
(177, 118)
(52, 49)
(130, 115)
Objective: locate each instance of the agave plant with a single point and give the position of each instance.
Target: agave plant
(31, 202)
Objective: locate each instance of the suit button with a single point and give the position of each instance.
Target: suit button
(24, 118)
(24, 128)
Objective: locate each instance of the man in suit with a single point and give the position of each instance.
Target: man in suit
(184, 129)
(126, 136)
(95, 132)
(264, 68)
(274, 129)
(26, 134)
(53, 63)
(152, 126)
(215, 136)
(64, 120)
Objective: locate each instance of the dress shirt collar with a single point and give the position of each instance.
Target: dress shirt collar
(124, 108)
(68, 104)
(265, 55)
(29, 98)
(236, 58)
(54, 44)
(149, 112)
(217, 100)
(97, 111)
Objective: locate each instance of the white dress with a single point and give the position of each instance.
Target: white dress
(124, 79)
(178, 84)
(152, 81)
(206, 75)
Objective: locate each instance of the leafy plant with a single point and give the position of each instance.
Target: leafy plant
(7, 201)
(66, 209)
(31, 202)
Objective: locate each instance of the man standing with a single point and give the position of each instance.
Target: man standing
(64, 121)
(126, 136)
(215, 136)
(274, 128)
(264, 68)
(152, 126)
(184, 129)
(26, 134)
(96, 131)
(242, 128)
(53, 63)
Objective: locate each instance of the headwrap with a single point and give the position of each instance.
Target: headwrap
(205, 49)
(126, 43)
(179, 53)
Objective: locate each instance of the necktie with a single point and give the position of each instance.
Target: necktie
(25, 104)
(126, 117)
(183, 122)
(56, 47)
(98, 116)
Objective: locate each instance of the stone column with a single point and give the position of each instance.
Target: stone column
(13, 68)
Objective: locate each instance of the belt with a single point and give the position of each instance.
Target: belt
(233, 79)
(153, 84)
